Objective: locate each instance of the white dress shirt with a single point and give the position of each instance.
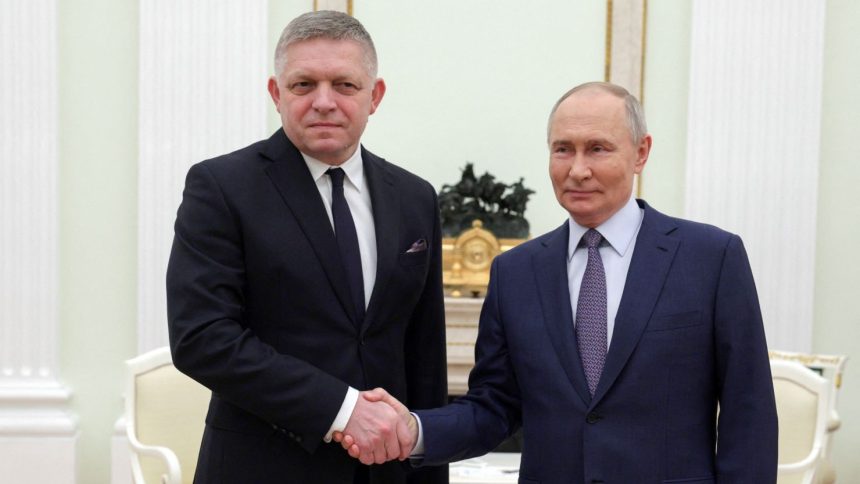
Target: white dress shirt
(616, 250)
(357, 195)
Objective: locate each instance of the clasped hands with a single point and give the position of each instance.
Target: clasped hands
(380, 429)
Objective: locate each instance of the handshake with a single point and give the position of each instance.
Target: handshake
(380, 429)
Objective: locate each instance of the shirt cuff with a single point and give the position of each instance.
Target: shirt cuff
(418, 450)
(342, 417)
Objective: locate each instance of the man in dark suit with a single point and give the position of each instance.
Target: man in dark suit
(614, 339)
(304, 269)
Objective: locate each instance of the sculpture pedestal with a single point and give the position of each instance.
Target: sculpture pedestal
(461, 324)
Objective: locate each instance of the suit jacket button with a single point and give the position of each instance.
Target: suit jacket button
(592, 418)
(298, 438)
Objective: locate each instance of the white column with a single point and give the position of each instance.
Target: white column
(203, 72)
(753, 145)
(37, 433)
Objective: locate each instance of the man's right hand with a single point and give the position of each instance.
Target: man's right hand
(372, 436)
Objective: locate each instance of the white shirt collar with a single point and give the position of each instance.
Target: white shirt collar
(619, 231)
(352, 167)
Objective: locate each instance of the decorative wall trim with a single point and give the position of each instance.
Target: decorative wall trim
(35, 409)
(753, 145)
(625, 44)
(626, 22)
(203, 72)
(344, 6)
(37, 432)
(461, 327)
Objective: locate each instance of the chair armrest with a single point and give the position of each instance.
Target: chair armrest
(833, 422)
(173, 475)
(802, 465)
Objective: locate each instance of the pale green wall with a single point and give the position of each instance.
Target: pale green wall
(667, 74)
(98, 216)
(474, 81)
(837, 320)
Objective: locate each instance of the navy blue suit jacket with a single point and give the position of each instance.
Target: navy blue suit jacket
(259, 312)
(688, 335)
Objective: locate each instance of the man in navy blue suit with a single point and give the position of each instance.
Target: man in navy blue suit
(627, 344)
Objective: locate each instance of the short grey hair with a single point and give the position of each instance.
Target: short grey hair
(635, 114)
(325, 24)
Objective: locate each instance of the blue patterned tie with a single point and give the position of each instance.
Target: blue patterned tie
(591, 313)
(347, 242)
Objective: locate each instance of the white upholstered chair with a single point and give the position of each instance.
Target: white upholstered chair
(803, 404)
(164, 412)
(831, 367)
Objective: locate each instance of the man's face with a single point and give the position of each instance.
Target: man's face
(592, 156)
(324, 96)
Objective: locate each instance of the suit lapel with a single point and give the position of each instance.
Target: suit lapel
(652, 258)
(385, 203)
(293, 181)
(551, 278)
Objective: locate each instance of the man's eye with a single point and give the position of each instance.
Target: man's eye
(598, 149)
(301, 87)
(560, 149)
(347, 87)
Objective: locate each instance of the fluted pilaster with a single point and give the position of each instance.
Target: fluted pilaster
(753, 144)
(203, 71)
(37, 434)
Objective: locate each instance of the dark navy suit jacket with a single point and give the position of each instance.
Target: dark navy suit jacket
(259, 312)
(688, 335)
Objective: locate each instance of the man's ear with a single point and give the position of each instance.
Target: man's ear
(275, 92)
(377, 94)
(642, 152)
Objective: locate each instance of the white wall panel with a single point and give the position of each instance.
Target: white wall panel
(753, 145)
(37, 434)
(203, 72)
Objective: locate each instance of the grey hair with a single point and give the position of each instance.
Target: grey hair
(635, 114)
(325, 24)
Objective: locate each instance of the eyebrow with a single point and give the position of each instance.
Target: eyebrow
(601, 141)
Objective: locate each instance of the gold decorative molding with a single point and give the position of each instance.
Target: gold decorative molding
(466, 260)
(344, 6)
(835, 362)
(607, 64)
(626, 23)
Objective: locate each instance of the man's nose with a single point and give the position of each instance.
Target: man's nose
(579, 169)
(324, 99)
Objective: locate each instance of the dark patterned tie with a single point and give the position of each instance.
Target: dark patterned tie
(347, 242)
(591, 312)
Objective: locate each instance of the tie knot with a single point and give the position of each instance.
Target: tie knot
(336, 175)
(592, 238)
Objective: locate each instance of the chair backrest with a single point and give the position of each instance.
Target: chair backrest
(164, 409)
(802, 403)
(831, 367)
